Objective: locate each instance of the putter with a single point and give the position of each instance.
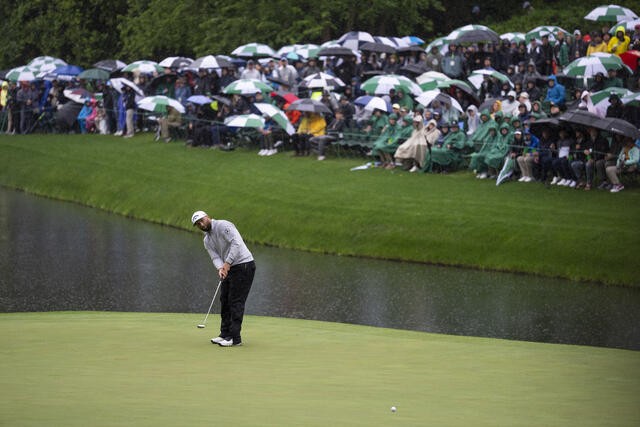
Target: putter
(204, 323)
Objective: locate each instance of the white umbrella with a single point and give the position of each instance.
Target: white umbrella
(354, 39)
(611, 13)
(247, 87)
(426, 98)
(20, 74)
(277, 115)
(253, 50)
(477, 76)
(371, 103)
(159, 104)
(119, 82)
(245, 121)
(144, 67)
(430, 76)
(175, 62)
(210, 61)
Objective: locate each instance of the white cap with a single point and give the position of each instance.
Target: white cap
(197, 216)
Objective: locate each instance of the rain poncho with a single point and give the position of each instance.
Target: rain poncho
(495, 156)
(388, 140)
(431, 136)
(450, 153)
(477, 159)
(472, 122)
(619, 45)
(486, 122)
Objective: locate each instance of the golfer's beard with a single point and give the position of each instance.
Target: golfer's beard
(207, 228)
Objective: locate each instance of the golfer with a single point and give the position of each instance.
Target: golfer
(235, 267)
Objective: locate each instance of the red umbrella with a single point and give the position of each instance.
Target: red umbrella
(631, 58)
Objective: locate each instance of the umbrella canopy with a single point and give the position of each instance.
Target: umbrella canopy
(610, 13)
(209, 62)
(589, 66)
(253, 50)
(246, 87)
(430, 79)
(285, 97)
(441, 43)
(630, 58)
(245, 121)
(377, 47)
(119, 83)
(309, 105)
(221, 99)
(413, 40)
(633, 99)
(110, 65)
(394, 42)
(622, 127)
(381, 85)
(354, 39)
(66, 72)
(78, 95)
(336, 51)
(629, 25)
(513, 37)
(277, 115)
(506, 171)
(549, 122)
(20, 74)
(371, 103)
(473, 34)
(477, 76)
(94, 74)
(545, 30)
(307, 50)
(175, 62)
(199, 99)
(426, 98)
(584, 118)
(46, 63)
(144, 67)
(600, 99)
(321, 80)
(159, 104)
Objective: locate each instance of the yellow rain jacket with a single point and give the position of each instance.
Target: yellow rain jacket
(4, 92)
(313, 124)
(616, 45)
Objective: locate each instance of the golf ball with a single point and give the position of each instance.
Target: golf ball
(393, 409)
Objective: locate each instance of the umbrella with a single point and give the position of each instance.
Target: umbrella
(199, 99)
(110, 65)
(409, 49)
(221, 99)
(159, 104)
(285, 97)
(412, 69)
(354, 39)
(336, 51)
(253, 50)
(309, 105)
(381, 85)
(377, 47)
(610, 13)
(633, 99)
(371, 103)
(441, 43)
(629, 25)
(394, 42)
(39, 61)
(246, 87)
(506, 171)
(413, 40)
(477, 76)
(175, 62)
(473, 34)
(430, 79)
(549, 122)
(426, 98)
(118, 84)
(630, 58)
(20, 74)
(589, 66)
(321, 80)
(78, 95)
(277, 115)
(94, 74)
(307, 50)
(245, 121)
(544, 30)
(622, 127)
(66, 72)
(165, 78)
(210, 61)
(600, 99)
(584, 118)
(513, 37)
(286, 49)
(144, 67)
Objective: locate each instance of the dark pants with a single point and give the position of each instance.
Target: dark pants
(301, 143)
(233, 294)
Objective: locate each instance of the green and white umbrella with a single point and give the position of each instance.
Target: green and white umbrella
(611, 13)
(307, 50)
(40, 61)
(632, 99)
(159, 104)
(426, 98)
(143, 67)
(441, 43)
(507, 170)
(513, 37)
(589, 66)
(21, 74)
(253, 50)
(473, 34)
(277, 115)
(600, 99)
(247, 87)
(477, 76)
(430, 79)
(381, 85)
(629, 26)
(545, 30)
(245, 121)
(94, 74)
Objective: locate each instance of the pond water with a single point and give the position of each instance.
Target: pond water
(61, 256)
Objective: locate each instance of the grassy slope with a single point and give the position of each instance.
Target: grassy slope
(158, 369)
(322, 206)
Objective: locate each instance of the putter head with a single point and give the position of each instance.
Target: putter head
(200, 326)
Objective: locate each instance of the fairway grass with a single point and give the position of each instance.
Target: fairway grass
(301, 203)
(137, 369)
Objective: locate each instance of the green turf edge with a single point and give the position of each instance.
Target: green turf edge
(157, 369)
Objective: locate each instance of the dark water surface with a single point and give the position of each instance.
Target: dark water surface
(61, 256)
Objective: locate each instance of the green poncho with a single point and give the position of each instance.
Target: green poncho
(483, 130)
(388, 140)
(450, 154)
(477, 159)
(495, 156)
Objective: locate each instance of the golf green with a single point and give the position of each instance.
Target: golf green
(95, 368)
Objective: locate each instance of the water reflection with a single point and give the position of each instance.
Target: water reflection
(60, 256)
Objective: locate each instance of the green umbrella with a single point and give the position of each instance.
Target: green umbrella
(611, 13)
(94, 74)
(247, 87)
(159, 104)
(589, 66)
(380, 85)
(545, 30)
(245, 121)
(513, 37)
(253, 50)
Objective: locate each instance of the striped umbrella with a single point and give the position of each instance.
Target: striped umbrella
(629, 25)
(513, 37)
(110, 65)
(441, 43)
(245, 121)
(381, 85)
(611, 13)
(175, 62)
(94, 74)
(143, 67)
(321, 80)
(354, 39)
(371, 103)
(394, 42)
(308, 51)
(473, 34)
(477, 76)
(209, 62)
(632, 99)
(545, 30)
(78, 95)
(589, 66)
(21, 74)
(430, 79)
(600, 99)
(277, 115)
(159, 104)
(39, 61)
(119, 83)
(246, 87)
(253, 50)
(426, 98)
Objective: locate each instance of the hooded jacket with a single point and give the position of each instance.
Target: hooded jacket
(619, 45)
(556, 93)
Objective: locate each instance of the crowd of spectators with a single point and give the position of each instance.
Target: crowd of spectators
(498, 122)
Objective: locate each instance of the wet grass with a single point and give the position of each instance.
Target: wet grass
(108, 369)
(301, 203)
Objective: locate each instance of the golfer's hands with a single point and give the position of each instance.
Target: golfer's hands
(223, 271)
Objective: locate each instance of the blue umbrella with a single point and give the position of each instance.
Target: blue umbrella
(66, 72)
(199, 99)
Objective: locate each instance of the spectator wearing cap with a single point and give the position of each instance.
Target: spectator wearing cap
(526, 152)
(250, 71)
(579, 47)
(596, 45)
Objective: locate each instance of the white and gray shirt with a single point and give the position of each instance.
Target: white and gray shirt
(224, 244)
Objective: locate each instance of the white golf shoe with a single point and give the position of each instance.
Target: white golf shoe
(217, 340)
(228, 343)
